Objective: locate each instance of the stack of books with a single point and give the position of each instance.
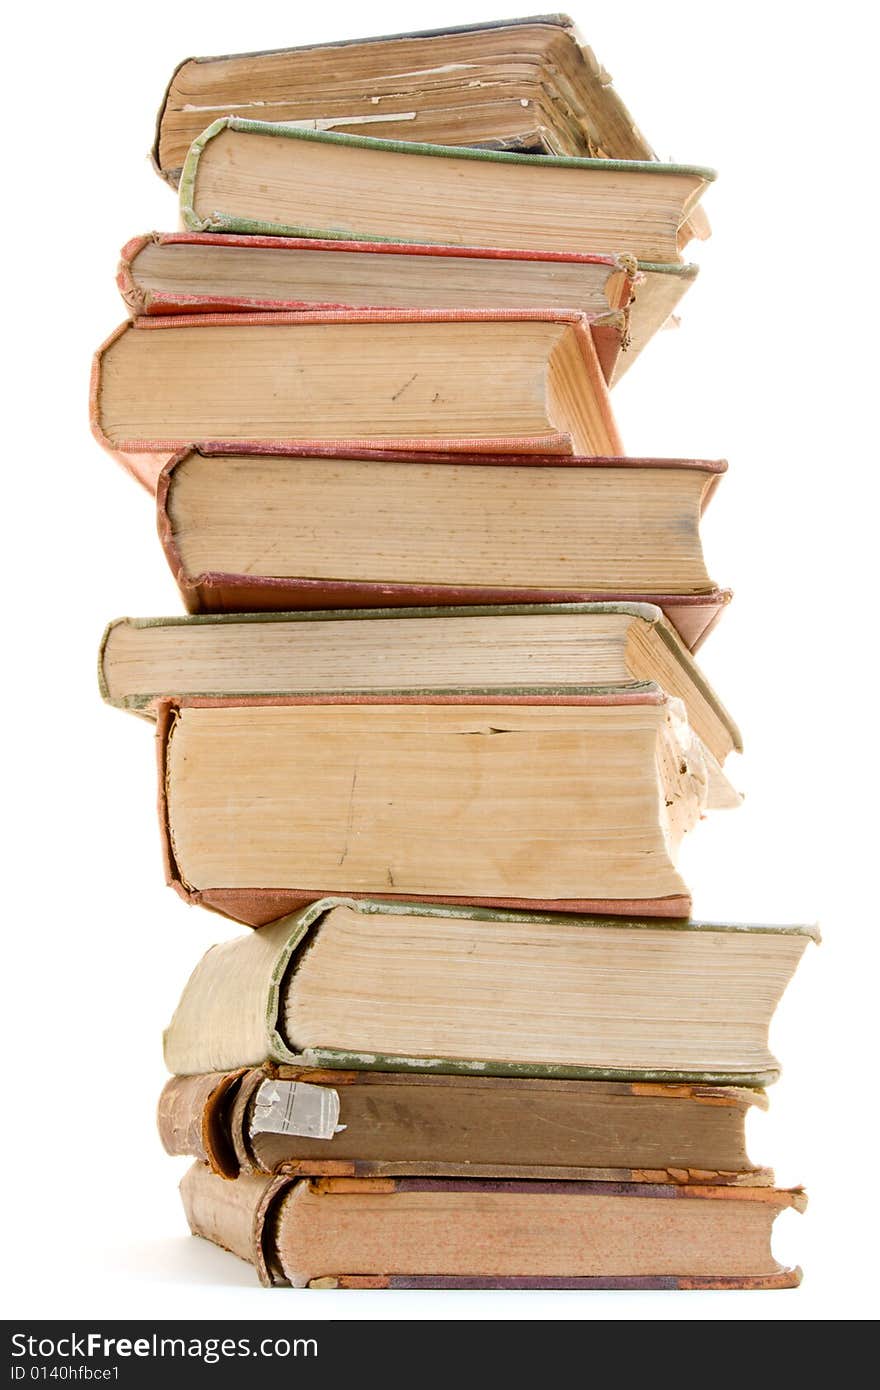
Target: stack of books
(434, 729)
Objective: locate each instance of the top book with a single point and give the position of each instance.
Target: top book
(521, 84)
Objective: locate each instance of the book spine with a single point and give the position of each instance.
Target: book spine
(234, 1214)
(170, 176)
(133, 296)
(143, 459)
(192, 1119)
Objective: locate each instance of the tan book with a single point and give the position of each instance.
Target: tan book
(389, 986)
(568, 802)
(521, 381)
(347, 1123)
(269, 179)
(275, 530)
(411, 1233)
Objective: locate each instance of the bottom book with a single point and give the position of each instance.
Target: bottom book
(463, 1233)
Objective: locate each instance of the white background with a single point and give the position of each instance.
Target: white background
(772, 368)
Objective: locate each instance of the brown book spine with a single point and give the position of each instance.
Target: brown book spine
(193, 1119)
(235, 1216)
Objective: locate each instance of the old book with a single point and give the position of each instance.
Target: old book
(521, 381)
(389, 986)
(260, 178)
(302, 1120)
(567, 802)
(516, 84)
(192, 272)
(541, 649)
(412, 1233)
(275, 530)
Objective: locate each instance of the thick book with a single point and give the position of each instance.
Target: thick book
(475, 381)
(448, 1233)
(537, 649)
(314, 1123)
(561, 802)
(388, 986)
(207, 272)
(273, 530)
(512, 84)
(268, 179)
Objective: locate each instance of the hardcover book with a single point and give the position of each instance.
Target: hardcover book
(263, 178)
(389, 986)
(541, 650)
(521, 381)
(339, 1123)
(436, 1233)
(567, 802)
(192, 272)
(275, 530)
